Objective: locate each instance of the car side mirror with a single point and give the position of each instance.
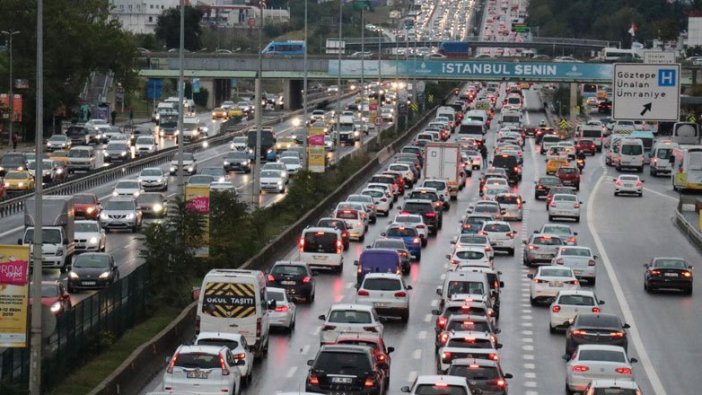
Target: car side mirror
(408, 287)
(383, 234)
(447, 256)
(633, 360)
(601, 302)
(580, 202)
(690, 267)
(405, 389)
(642, 181)
(272, 304)
(498, 331)
(436, 312)
(530, 275)
(310, 362)
(626, 326)
(508, 375)
(566, 357)
(390, 349)
(19, 241)
(502, 284)
(322, 317)
(645, 265)
(438, 291)
(498, 346)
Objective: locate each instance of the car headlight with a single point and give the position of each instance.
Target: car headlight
(93, 240)
(21, 184)
(59, 171)
(244, 162)
(136, 193)
(130, 216)
(157, 208)
(123, 153)
(190, 169)
(104, 217)
(280, 183)
(104, 275)
(56, 307)
(226, 163)
(7, 184)
(173, 168)
(115, 193)
(231, 146)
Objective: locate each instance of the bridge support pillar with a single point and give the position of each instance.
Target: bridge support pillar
(574, 105)
(208, 83)
(292, 94)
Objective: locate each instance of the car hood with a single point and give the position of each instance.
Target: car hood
(117, 212)
(272, 179)
(186, 162)
(126, 191)
(87, 235)
(89, 273)
(151, 178)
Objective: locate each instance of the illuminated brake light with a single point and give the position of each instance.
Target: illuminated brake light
(306, 280)
(446, 356)
(443, 338)
(223, 365)
(339, 246)
(401, 294)
(580, 368)
(172, 363)
(441, 322)
(556, 308)
(363, 292)
(281, 309)
(301, 244)
(596, 310)
(618, 183)
(617, 334)
(369, 382)
(578, 333)
(271, 278)
(499, 382)
(493, 357)
(626, 371)
(314, 380)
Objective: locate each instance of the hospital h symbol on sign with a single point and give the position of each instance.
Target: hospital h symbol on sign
(666, 77)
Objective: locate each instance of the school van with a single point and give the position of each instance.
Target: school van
(631, 154)
(235, 301)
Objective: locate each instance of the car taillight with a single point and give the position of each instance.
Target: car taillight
(493, 357)
(223, 365)
(259, 327)
(344, 234)
(499, 382)
(271, 278)
(626, 371)
(580, 368)
(314, 380)
(430, 215)
(421, 227)
(172, 363)
(556, 308)
(553, 204)
(510, 235)
(533, 247)
(417, 240)
(446, 356)
(655, 272)
(638, 183)
(401, 294)
(540, 281)
(578, 333)
(441, 322)
(576, 205)
(618, 183)
(301, 244)
(369, 382)
(362, 292)
(443, 338)
(617, 334)
(306, 279)
(572, 282)
(591, 262)
(339, 246)
(240, 355)
(595, 309)
(328, 327)
(281, 309)
(370, 329)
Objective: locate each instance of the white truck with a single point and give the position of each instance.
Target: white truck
(443, 161)
(346, 129)
(58, 243)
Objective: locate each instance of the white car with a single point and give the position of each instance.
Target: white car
(580, 259)
(235, 342)
(239, 143)
(417, 222)
(628, 183)
(469, 256)
(474, 159)
(153, 178)
(490, 192)
(609, 386)
(292, 164)
(597, 361)
(89, 236)
(386, 188)
(564, 206)
(349, 318)
(438, 385)
(278, 166)
(355, 220)
(564, 231)
(131, 188)
(222, 186)
(460, 345)
(465, 240)
(145, 145)
(485, 207)
(189, 164)
(568, 304)
(387, 293)
(272, 181)
(548, 281)
(501, 235)
(404, 169)
(283, 316)
(382, 203)
(203, 369)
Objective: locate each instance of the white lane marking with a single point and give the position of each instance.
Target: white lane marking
(317, 330)
(621, 298)
(349, 284)
(649, 190)
(427, 318)
(529, 375)
(434, 303)
(291, 371)
(527, 340)
(530, 384)
(529, 366)
(417, 354)
(412, 376)
(528, 357)
(305, 349)
(527, 324)
(422, 335)
(528, 347)
(526, 317)
(527, 333)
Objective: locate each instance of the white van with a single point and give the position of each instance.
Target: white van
(592, 132)
(477, 115)
(322, 248)
(464, 283)
(660, 158)
(449, 113)
(235, 301)
(631, 154)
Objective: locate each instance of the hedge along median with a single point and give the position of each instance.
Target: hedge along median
(132, 375)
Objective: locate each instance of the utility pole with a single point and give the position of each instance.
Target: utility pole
(11, 99)
(337, 143)
(305, 155)
(363, 68)
(35, 341)
(258, 114)
(181, 183)
(378, 101)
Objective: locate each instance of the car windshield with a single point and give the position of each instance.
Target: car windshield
(438, 185)
(188, 156)
(196, 360)
(350, 317)
(439, 389)
(567, 170)
(549, 181)
(324, 242)
(50, 291)
(15, 175)
(237, 156)
(58, 138)
(79, 153)
(289, 270)
(288, 160)
(554, 272)
(349, 363)
(127, 185)
(465, 287)
(119, 205)
(381, 284)
(402, 232)
(270, 174)
(152, 172)
(91, 261)
(48, 236)
(117, 147)
(576, 252)
(548, 241)
(87, 227)
(474, 372)
(145, 140)
(201, 179)
(213, 171)
(632, 149)
(602, 355)
(577, 300)
(273, 166)
(670, 264)
(240, 140)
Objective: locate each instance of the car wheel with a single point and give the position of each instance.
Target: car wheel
(363, 237)
(419, 258)
(688, 291)
(135, 229)
(340, 268)
(646, 287)
(291, 327)
(550, 218)
(616, 193)
(577, 187)
(577, 219)
(592, 281)
(532, 301)
(310, 297)
(551, 329)
(567, 390)
(424, 242)
(405, 316)
(640, 194)
(346, 246)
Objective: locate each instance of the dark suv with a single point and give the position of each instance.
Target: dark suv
(345, 369)
(511, 165)
(340, 224)
(596, 328)
(295, 277)
(432, 217)
(543, 184)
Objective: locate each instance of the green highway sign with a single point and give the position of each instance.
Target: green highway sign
(520, 28)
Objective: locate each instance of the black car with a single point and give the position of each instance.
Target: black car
(77, 134)
(531, 130)
(596, 328)
(604, 107)
(345, 369)
(432, 217)
(544, 184)
(237, 161)
(12, 161)
(668, 273)
(152, 204)
(295, 277)
(482, 374)
(511, 165)
(339, 224)
(92, 270)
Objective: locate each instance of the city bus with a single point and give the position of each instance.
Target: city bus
(687, 168)
(619, 55)
(286, 48)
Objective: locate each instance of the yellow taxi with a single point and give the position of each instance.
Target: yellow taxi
(219, 113)
(552, 165)
(235, 112)
(18, 181)
(60, 157)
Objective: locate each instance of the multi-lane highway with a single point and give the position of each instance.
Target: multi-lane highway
(624, 232)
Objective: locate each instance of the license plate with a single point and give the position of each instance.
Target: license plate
(342, 380)
(629, 185)
(380, 304)
(197, 374)
(288, 282)
(670, 274)
(89, 283)
(577, 272)
(557, 284)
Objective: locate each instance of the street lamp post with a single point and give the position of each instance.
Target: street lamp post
(337, 141)
(181, 184)
(304, 99)
(363, 68)
(11, 100)
(258, 114)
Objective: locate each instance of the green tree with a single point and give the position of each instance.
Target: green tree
(168, 28)
(230, 236)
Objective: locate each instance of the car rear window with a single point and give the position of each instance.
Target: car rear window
(392, 244)
(485, 208)
(470, 254)
(496, 228)
(555, 272)
(469, 342)
(670, 264)
(424, 195)
(465, 287)
(598, 320)
(347, 214)
(320, 242)
(352, 363)
(350, 317)
(382, 284)
(567, 170)
(198, 360)
(382, 179)
(504, 161)
(566, 198)
(474, 372)
(467, 326)
(289, 270)
(439, 389)
(438, 185)
(548, 241)
(577, 300)
(402, 232)
(549, 181)
(230, 344)
(551, 139)
(507, 199)
(615, 391)
(575, 252)
(602, 355)
(418, 207)
(328, 223)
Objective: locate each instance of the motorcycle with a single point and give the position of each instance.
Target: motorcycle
(581, 164)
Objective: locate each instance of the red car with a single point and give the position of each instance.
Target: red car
(569, 176)
(86, 205)
(585, 145)
(55, 297)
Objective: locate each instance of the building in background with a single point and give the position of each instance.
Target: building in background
(694, 31)
(140, 16)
